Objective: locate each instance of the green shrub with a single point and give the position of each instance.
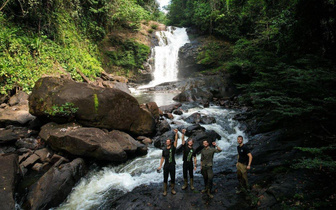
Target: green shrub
(154, 26)
(67, 109)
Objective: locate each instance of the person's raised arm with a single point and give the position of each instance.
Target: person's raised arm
(176, 137)
(217, 147)
(183, 132)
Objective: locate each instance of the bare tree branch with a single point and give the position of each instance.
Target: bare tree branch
(4, 5)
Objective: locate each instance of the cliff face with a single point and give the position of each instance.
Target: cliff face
(187, 63)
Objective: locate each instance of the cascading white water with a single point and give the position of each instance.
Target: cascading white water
(166, 55)
(94, 189)
(163, 4)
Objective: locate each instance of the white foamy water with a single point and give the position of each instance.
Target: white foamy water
(166, 55)
(163, 4)
(95, 188)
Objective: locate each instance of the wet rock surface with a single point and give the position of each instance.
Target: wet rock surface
(9, 176)
(87, 142)
(54, 186)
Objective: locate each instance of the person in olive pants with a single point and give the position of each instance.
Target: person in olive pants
(207, 155)
(243, 164)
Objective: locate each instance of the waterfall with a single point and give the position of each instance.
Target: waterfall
(166, 55)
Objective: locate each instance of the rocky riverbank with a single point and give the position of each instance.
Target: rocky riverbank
(48, 140)
(277, 182)
(35, 148)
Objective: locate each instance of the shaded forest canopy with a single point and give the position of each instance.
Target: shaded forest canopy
(280, 53)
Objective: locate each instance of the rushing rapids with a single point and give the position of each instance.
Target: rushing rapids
(103, 184)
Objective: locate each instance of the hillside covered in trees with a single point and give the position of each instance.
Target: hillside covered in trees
(279, 53)
(53, 37)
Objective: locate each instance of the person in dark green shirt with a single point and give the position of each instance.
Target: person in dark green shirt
(207, 155)
(168, 157)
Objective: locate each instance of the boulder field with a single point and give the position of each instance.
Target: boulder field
(49, 138)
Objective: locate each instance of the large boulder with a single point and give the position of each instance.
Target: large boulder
(8, 176)
(170, 108)
(200, 135)
(128, 143)
(64, 100)
(117, 85)
(162, 127)
(160, 141)
(194, 118)
(153, 108)
(194, 94)
(55, 185)
(85, 142)
(16, 115)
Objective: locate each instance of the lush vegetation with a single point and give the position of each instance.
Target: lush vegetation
(67, 109)
(128, 55)
(56, 37)
(280, 53)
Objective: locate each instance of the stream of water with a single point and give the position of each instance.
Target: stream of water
(95, 189)
(101, 185)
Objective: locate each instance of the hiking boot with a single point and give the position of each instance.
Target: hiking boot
(164, 189)
(172, 189)
(192, 184)
(205, 190)
(209, 194)
(185, 184)
(238, 190)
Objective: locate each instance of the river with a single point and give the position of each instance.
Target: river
(104, 184)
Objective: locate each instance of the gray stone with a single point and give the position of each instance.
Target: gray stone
(8, 176)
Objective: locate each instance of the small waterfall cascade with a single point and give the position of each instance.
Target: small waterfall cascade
(166, 55)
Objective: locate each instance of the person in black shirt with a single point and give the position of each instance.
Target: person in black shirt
(243, 164)
(168, 157)
(189, 156)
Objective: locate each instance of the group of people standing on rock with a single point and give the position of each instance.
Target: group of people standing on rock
(190, 164)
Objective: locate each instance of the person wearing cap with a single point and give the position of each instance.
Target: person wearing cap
(207, 155)
(189, 161)
(168, 157)
(243, 164)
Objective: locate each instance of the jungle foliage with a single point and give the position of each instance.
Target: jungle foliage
(52, 36)
(281, 52)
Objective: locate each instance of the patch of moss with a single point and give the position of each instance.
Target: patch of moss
(96, 102)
